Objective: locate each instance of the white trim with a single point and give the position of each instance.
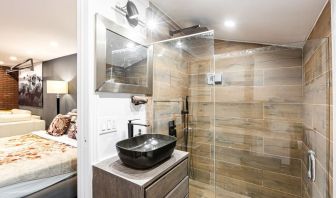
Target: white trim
(83, 151)
(333, 46)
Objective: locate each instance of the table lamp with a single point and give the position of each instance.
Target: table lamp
(57, 87)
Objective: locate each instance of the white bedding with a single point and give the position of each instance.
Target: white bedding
(62, 139)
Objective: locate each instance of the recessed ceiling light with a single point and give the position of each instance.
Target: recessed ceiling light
(2, 63)
(152, 24)
(53, 44)
(229, 24)
(13, 58)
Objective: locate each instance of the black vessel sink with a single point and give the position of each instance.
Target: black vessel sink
(145, 151)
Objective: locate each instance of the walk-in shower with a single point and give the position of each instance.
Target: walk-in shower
(249, 135)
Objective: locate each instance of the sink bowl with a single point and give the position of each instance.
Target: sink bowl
(145, 151)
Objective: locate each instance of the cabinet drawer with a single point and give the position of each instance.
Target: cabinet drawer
(181, 190)
(167, 182)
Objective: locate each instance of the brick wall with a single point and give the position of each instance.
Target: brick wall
(8, 89)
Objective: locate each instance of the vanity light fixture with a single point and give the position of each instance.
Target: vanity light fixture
(131, 13)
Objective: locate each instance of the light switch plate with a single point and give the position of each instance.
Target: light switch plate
(106, 125)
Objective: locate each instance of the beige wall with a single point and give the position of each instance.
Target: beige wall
(317, 107)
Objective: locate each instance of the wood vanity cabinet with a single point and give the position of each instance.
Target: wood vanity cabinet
(112, 179)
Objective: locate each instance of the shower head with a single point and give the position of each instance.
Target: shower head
(189, 30)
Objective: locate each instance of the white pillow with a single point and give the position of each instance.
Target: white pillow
(20, 111)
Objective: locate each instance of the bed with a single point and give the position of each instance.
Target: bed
(38, 165)
(19, 122)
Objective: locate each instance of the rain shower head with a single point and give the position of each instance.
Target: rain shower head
(189, 30)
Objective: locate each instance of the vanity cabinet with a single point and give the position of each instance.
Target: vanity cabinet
(111, 178)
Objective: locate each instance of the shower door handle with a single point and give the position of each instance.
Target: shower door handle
(311, 166)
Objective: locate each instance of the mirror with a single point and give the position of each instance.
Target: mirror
(126, 61)
(123, 60)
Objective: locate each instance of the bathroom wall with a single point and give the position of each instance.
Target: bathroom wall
(95, 107)
(9, 87)
(318, 107)
(256, 149)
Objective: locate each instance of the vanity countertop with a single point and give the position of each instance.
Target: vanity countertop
(141, 178)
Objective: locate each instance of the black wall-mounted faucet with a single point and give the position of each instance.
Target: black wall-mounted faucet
(131, 127)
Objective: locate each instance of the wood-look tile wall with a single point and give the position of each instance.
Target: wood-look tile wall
(251, 134)
(256, 149)
(318, 107)
(170, 88)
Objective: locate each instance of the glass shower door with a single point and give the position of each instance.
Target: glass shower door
(182, 96)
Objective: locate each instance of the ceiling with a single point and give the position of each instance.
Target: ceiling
(258, 21)
(39, 29)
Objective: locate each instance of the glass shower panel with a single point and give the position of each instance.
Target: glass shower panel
(181, 94)
(259, 120)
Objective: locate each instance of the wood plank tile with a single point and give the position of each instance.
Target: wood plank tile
(239, 141)
(238, 110)
(248, 189)
(200, 190)
(280, 147)
(284, 183)
(243, 78)
(234, 64)
(321, 119)
(285, 94)
(243, 173)
(290, 112)
(259, 161)
(263, 128)
(200, 67)
(283, 76)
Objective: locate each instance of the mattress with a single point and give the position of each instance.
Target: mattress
(31, 157)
